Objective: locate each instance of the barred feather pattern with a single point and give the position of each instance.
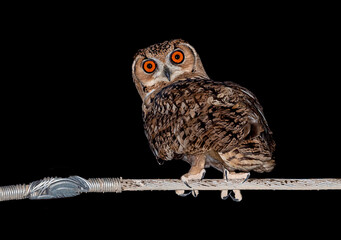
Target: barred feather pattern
(222, 120)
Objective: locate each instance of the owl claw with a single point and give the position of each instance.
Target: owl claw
(186, 177)
(195, 193)
(237, 195)
(182, 193)
(186, 183)
(224, 194)
(203, 175)
(243, 176)
(189, 176)
(247, 177)
(226, 173)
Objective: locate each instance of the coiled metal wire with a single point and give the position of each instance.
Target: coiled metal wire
(50, 187)
(14, 192)
(104, 185)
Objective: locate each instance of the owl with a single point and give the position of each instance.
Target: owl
(206, 123)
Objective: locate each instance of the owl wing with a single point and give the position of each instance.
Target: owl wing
(259, 125)
(199, 115)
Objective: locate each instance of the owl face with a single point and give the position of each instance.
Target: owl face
(162, 64)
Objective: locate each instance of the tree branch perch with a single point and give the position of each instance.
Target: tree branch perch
(49, 188)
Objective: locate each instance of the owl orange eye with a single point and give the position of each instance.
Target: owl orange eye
(177, 57)
(149, 66)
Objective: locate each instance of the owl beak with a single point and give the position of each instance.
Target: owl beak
(167, 72)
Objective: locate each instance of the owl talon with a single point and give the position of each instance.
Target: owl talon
(203, 174)
(247, 177)
(186, 177)
(182, 193)
(226, 173)
(224, 194)
(237, 195)
(186, 183)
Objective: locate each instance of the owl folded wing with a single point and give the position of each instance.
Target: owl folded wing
(199, 115)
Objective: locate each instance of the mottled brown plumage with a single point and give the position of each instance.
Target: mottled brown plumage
(199, 116)
(190, 117)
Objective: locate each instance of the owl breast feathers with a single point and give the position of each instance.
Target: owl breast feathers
(222, 120)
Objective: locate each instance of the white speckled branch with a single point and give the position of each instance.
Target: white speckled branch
(220, 184)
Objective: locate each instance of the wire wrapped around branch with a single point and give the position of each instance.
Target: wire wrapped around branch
(49, 188)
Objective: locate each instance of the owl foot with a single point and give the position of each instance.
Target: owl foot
(224, 194)
(188, 176)
(231, 175)
(183, 193)
(196, 173)
(236, 196)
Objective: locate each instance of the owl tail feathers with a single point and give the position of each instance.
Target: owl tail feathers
(267, 166)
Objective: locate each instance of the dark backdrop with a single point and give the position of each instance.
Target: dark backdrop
(70, 107)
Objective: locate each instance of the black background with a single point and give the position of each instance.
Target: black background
(70, 107)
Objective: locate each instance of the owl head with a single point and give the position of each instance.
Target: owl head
(164, 63)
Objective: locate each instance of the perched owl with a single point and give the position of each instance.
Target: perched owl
(206, 123)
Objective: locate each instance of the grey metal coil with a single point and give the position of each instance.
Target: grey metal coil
(105, 185)
(49, 188)
(14, 192)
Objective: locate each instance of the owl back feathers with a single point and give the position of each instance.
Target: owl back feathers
(196, 116)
